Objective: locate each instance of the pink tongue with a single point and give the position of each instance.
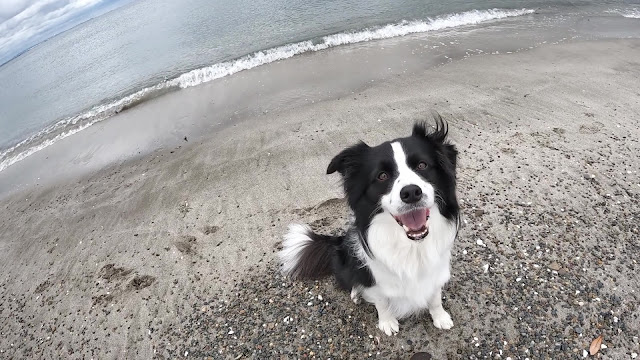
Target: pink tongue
(415, 220)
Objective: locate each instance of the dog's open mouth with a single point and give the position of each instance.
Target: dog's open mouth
(414, 223)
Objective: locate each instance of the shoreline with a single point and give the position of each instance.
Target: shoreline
(124, 260)
(111, 106)
(404, 54)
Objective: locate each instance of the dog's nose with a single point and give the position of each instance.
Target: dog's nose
(411, 194)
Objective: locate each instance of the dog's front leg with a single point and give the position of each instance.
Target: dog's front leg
(387, 321)
(441, 318)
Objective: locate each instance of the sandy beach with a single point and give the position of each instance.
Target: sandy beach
(172, 254)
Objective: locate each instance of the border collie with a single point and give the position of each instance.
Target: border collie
(397, 251)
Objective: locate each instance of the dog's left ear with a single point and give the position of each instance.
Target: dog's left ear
(438, 137)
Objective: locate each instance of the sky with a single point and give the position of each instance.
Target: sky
(25, 23)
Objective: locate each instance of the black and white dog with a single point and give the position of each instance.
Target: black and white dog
(396, 254)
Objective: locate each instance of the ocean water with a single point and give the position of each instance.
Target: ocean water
(151, 47)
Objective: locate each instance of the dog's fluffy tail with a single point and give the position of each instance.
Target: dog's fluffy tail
(305, 254)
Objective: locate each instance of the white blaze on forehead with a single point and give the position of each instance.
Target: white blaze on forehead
(406, 176)
(401, 159)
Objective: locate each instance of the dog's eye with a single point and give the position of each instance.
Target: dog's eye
(383, 176)
(421, 165)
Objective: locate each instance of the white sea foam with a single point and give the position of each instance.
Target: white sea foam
(402, 28)
(69, 126)
(46, 143)
(633, 13)
(72, 125)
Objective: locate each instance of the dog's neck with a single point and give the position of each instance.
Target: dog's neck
(392, 248)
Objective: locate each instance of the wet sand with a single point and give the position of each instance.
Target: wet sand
(172, 254)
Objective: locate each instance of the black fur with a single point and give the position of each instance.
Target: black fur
(347, 269)
(316, 260)
(330, 255)
(445, 161)
(359, 167)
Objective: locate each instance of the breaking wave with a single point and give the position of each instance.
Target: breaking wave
(72, 125)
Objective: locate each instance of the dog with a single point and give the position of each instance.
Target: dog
(405, 217)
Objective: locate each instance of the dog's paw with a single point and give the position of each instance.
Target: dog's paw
(355, 296)
(389, 326)
(442, 319)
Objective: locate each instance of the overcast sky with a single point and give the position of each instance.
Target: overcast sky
(24, 23)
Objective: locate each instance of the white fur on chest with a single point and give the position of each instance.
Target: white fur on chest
(408, 273)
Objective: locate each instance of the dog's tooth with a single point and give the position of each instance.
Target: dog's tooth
(406, 229)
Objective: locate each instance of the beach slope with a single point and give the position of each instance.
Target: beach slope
(173, 254)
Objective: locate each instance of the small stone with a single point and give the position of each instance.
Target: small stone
(421, 356)
(554, 266)
(478, 212)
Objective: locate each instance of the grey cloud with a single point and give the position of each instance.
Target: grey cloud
(24, 24)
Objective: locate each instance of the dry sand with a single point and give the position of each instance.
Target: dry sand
(173, 254)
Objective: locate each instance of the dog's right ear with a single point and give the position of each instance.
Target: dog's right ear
(348, 158)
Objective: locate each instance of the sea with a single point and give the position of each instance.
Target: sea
(148, 48)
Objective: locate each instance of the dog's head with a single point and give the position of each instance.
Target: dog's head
(405, 178)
